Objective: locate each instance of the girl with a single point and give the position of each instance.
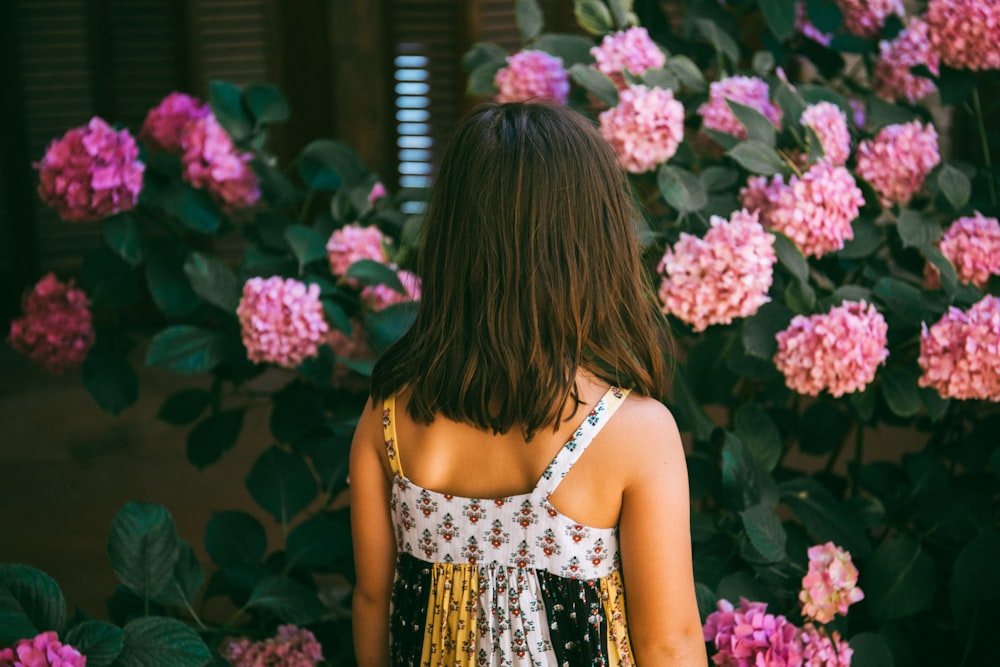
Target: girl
(501, 516)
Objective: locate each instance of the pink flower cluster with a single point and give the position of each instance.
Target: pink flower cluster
(960, 353)
(865, 18)
(965, 34)
(972, 244)
(831, 585)
(291, 647)
(353, 242)
(165, 123)
(721, 277)
(748, 636)
(898, 159)
(91, 172)
(378, 297)
(830, 125)
(645, 128)
(532, 76)
(281, 320)
(56, 331)
(815, 211)
(44, 650)
(631, 50)
(746, 90)
(892, 78)
(839, 351)
(820, 649)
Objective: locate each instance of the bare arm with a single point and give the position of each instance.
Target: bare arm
(374, 543)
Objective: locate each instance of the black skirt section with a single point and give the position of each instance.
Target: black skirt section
(410, 595)
(575, 615)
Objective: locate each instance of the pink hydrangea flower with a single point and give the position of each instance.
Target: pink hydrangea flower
(820, 649)
(723, 276)
(281, 320)
(972, 244)
(44, 650)
(865, 18)
(748, 636)
(960, 353)
(831, 585)
(830, 125)
(165, 123)
(746, 90)
(378, 297)
(353, 242)
(631, 50)
(56, 331)
(892, 78)
(211, 162)
(815, 211)
(965, 34)
(898, 159)
(532, 76)
(645, 128)
(91, 172)
(839, 351)
(291, 647)
(377, 192)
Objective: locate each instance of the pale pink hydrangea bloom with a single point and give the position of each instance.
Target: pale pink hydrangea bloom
(748, 636)
(631, 50)
(645, 128)
(532, 76)
(972, 244)
(164, 125)
(820, 649)
(865, 18)
(43, 650)
(831, 585)
(281, 320)
(898, 159)
(965, 34)
(746, 90)
(892, 78)
(353, 242)
(960, 353)
(91, 172)
(211, 162)
(291, 647)
(56, 331)
(378, 297)
(830, 125)
(720, 277)
(839, 351)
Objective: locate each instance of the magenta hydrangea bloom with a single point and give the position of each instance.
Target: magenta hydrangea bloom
(831, 585)
(532, 76)
(211, 162)
(56, 331)
(44, 650)
(281, 320)
(972, 244)
(965, 34)
(746, 90)
(631, 50)
(720, 277)
(353, 242)
(747, 636)
(839, 351)
(291, 647)
(892, 79)
(645, 128)
(820, 649)
(165, 123)
(377, 192)
(898, 159)
(830, 125)
(91, 172)
(378, 297)
(865, 18)
(960, 353)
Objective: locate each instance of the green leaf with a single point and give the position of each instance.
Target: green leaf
(899, 389)
(791, 102)
(123, 235)
(593, 16)
(946, 270)
(184, 348)
(529, 19)
(681, 189)
(780, 16)
(101, 642)
(482, 53)
(192, 209)
(955, 85)
(235, 539)
(213, 281)
(822, 427)
(790, 257)
(337, 316)
(110, 380)
(881, 113)
(717, 179)
(167, 283)
(296, 410)
(318, 542)
(975, 579)
(109, 280)
(226, 101)
(901, 298)
(266, 103)
(306, 244)
(182, 589)
(721, 40)
(916, 229)
(596, 82)
(388, 325)
(765, 532)
(870, 650)
(706, 600)
(686, 70)
(661, 78)
(370, 272)
(213, 436)
(143, 548)
(572, 49)
(163, 642)
(30, 602)
(481, 80)
(757, 157)
(759, 329)
(622, 12)
(824, 14)
(867, 238)
(800, 297)
(323, 157)
(282, 484)
(814, 94)
(826, 519)
(758, 432)
(288, 600)
(743, 584)
(898, 580)
(743, 480)
(184, 406)
(955, 185)
(690, 415)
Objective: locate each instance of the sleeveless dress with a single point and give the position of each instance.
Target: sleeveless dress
(506, 581)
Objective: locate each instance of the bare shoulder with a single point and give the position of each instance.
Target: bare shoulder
(368, 435)
(646, 436)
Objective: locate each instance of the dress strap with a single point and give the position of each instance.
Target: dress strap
(389, 434)
(571, 452)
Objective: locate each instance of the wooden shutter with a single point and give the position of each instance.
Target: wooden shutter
(232, 40)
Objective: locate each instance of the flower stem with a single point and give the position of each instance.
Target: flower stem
(984, 144)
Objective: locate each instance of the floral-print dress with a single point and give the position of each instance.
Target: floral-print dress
(505, 581)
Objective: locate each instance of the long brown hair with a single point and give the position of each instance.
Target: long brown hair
(531, 271)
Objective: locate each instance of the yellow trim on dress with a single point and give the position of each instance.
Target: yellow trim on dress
(389, 434)
(452, 615)
(613, 596)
